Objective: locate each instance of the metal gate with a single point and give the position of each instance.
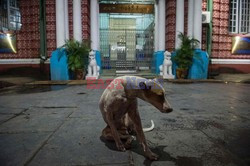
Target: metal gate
(126, 50)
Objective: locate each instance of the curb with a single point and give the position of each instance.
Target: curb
(84, 82)
(189, 81)
(69, 82)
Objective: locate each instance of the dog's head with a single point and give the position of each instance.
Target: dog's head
(154, 93)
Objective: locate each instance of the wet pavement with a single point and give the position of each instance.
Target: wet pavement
(61, 125)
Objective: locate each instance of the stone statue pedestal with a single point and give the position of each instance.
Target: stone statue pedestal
(168, 77)
(91, 77)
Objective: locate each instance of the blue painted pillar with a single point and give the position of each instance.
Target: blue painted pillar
(199, 68)
(98, 59)
(158, 60)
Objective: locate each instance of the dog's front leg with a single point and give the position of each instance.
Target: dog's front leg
(135, 117)
(111, 123)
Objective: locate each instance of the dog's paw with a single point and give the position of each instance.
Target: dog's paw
(127, 145)
(152, 156)
(121, 147)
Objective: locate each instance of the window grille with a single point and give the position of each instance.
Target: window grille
(10, 17)
(239, 16)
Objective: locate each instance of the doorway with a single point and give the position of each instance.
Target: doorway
(126, 42)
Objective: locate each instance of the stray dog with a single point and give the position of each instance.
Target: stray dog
(119, 108)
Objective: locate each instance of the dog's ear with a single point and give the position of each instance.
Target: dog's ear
(143, 85)
(158, 79)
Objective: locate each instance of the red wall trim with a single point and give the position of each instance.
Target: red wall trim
(229, 68)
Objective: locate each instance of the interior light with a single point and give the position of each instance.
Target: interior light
(10, 43)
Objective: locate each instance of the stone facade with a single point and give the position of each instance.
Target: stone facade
(28, 38)
(51, 26)
(222, 40)
(171, 20)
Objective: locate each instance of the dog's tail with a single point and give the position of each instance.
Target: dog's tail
(150, 128)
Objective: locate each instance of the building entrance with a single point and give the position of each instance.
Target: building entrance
(126, 39)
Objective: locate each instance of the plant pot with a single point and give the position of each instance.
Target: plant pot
(181, 73)
(80, 74)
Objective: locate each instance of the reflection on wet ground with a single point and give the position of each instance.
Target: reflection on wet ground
(27, 89)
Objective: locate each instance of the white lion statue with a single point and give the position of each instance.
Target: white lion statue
(93, 68)
(166, 67)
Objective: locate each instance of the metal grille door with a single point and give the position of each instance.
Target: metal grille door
(126, 44)
(126, 54)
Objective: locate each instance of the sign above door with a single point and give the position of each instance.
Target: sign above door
(127, 8)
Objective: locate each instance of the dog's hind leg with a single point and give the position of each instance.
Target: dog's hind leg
(114, 131)
(106, 133)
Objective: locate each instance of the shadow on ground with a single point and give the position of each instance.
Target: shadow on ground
(159, 150)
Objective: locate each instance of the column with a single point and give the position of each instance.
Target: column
(156, 27)
(98, 25)
(161, 25)
(179, 21)
(94, 24)
(197, 20)
(190, 17)
(66, 19)
(77, 20)
(60, 30)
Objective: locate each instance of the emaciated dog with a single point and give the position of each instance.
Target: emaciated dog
(119, 108)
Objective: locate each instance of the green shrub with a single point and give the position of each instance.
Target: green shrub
(77, 53)
(184, 54)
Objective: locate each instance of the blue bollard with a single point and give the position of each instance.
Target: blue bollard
(59, 65)
(199, 68)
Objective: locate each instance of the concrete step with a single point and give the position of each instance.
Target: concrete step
(125, 72)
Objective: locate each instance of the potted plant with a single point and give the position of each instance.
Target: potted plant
(77, 53)
(184, 55)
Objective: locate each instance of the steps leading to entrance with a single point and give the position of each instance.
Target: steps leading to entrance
(146, 75)
(125, 65)
(125, 72)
